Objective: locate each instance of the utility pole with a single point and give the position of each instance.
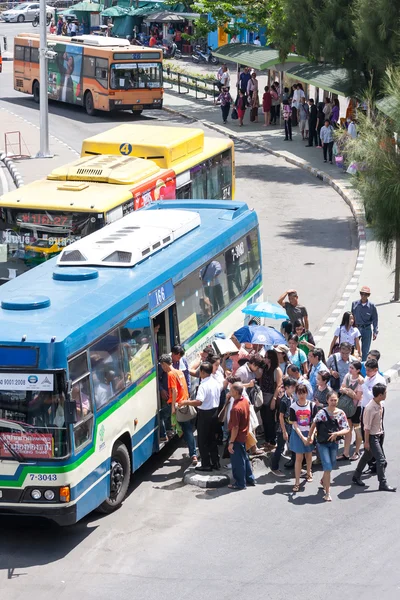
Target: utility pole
(44, 151)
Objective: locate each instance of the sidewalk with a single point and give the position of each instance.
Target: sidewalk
(369, 270)
(32, 168)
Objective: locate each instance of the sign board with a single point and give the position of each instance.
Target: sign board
(161, 295)
(28, 445)
(29, 382)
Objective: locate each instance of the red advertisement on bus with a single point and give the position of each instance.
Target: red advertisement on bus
(164, 188)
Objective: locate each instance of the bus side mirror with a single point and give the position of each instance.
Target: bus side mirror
(70, 417)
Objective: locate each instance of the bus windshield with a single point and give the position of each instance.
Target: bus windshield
(32, 419)
(128, 76)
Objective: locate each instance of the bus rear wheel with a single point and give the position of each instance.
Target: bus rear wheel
(120, 471)
(36, 92)
(89, 104)
(137, 112)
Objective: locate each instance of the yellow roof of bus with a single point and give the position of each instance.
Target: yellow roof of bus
(177, 148)
(90, 184)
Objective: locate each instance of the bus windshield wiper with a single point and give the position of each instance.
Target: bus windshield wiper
(16, 455)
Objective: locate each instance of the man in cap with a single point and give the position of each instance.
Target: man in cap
(365, 315)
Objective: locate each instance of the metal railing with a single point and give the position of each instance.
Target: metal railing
(189, 83)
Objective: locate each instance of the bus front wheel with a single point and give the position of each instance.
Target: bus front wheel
(120, 471)
(89, 104)
(35, 92)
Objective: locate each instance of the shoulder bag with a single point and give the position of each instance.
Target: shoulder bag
(336, 347)
(325, 428)
(335, 382)
(185, 413)
(346, 404)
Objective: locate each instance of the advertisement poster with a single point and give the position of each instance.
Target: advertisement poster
(141, 363)
(65, 74)
(28, 445)
(164, 188)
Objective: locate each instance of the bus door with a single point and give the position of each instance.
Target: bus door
(165, 335)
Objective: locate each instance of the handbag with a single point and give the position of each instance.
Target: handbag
(325, 428)
(234, 114)
(251, 440)
(185, 413)
(258, 396)
(335, 382)
(336, 347)
(346, 404)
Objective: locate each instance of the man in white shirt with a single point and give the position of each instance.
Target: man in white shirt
(373, 377)
(207, 403)
(257, 41)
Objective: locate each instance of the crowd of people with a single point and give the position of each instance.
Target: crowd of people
(317, 122)
(291, 396)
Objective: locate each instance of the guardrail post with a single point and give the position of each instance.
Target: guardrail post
(179, 83)
(5, 43)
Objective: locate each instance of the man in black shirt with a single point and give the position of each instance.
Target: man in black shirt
(312, 124)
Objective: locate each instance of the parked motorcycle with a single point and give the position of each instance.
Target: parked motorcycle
(200, 56)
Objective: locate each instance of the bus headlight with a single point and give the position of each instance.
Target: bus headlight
(49, 495)
(36, 494)
(157, 101)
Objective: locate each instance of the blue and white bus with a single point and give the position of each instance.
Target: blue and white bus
(79, 405)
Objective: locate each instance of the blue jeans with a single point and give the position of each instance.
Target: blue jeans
(366, 337)
(187, 428)
(327, 454)
(241, 468)
(280, 446)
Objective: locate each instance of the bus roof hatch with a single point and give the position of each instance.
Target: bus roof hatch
(106, 169)
(131, 239)
(166, 147)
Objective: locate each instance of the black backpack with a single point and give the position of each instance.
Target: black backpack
(325, 428)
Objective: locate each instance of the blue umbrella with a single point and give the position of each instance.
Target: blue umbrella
(266, 309)
(258, 334)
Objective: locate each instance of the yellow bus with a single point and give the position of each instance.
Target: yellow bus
(99, 73)
(204, 165)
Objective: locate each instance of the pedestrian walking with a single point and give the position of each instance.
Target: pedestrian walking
(179, 394)
(59, 26)
(306, 340)
(351, 392)
(252, 86)
(312, 124)
(224, 100)
(330, 423)
(323, 389)
(270, 383)
(297, 357)
(239, 428)
(244, 80)
(373, 439)
(207, 403)
(284, 362)
(241, 106)
(320, 122)
(346, 332)
(294, 372)
(303, 113)
(373, 377)
(327, 141)
(254, 105)
(287, 119)
(315, 358)
(295, 311)
(275, 104)
(366, 317)
(267, 103)
(301, 416)
(284, 427)
(338, 365)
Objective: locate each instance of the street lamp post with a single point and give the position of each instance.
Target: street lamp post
(44, 151)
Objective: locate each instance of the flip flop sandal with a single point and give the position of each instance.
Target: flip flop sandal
(296, 487)
(355, 456)
(343, 457)
(327, 498)
(309, 478)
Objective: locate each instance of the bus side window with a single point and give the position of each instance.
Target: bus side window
(106, 367)
(136, 347)
(89, 66)
(81, 394)
(102, 71)
(27, 54)
(19, 53)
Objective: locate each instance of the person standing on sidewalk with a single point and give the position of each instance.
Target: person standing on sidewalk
(373, 438)
(312, 124)
(284, 427)
(241, 105)
(327, 140)
(365, 315)
(267, 103)
(320, 122)
(287, 118)
(302, 115)
(275, 104)
(239, 421)
(224, 100)
(294, 310)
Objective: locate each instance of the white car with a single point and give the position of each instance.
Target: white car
(25, 12)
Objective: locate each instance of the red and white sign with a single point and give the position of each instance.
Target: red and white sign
(162, 188)
(29, 445)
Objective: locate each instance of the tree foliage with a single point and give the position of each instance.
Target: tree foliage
(378, 183)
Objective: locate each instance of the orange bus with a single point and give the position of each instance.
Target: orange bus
(99, 73)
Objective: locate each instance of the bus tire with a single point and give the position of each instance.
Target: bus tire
(137, 112)
(36, 91)
(89, 104)
(120, 472)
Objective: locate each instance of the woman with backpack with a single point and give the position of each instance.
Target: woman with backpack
(330, 423)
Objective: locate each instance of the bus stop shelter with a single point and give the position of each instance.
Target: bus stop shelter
(256, 57)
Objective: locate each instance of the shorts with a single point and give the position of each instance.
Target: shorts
(328, 454)
(356, 418)
(303, 126)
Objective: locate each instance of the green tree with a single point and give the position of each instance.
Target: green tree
(378, 183)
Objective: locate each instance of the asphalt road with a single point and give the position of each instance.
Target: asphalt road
(308, 235)
(174, 542)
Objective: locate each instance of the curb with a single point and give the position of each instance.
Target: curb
(16, 177)
(356, 206)
(218, 480)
